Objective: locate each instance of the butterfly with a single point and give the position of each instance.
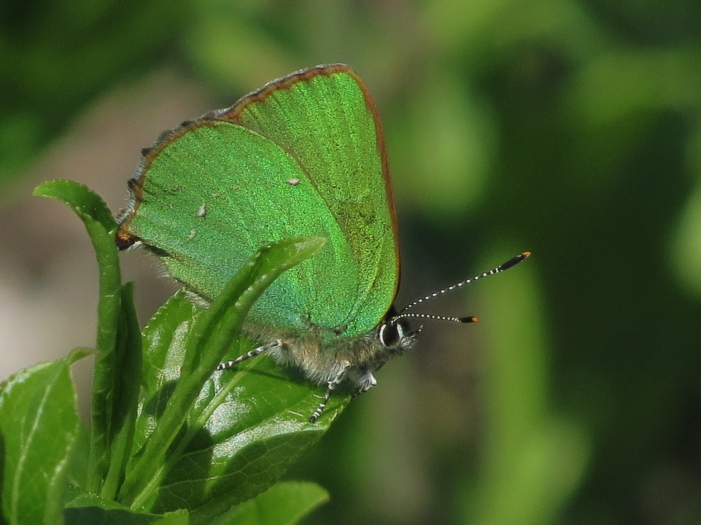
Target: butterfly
(304, 155)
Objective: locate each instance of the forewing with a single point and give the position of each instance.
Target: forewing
(211, 193)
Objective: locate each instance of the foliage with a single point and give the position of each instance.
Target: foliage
(169, 441)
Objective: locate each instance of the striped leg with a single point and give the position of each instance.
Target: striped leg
(331, 386)
(256, 351)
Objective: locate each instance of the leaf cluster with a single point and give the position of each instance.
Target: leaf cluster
(169, 441)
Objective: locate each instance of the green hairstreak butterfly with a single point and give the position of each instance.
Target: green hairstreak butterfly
(302, 156)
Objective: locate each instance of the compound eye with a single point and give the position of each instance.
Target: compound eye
(390, 334)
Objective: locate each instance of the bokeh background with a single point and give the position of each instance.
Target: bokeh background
(568, 128)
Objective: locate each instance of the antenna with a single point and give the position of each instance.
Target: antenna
(471, 319)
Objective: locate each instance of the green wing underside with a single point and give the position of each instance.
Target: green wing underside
(216, 193)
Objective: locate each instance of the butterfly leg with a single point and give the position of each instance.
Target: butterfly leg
(256, 351)
(331, 386)
(365, 382)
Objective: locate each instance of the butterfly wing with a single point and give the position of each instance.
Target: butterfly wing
(304, 155)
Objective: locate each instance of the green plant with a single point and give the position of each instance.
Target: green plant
(169, 441)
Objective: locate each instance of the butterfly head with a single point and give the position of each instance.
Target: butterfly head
(394, 334)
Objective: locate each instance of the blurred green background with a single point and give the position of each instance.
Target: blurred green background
(568, 128)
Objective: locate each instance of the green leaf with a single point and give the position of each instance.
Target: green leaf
(78, 466)
(39, 425)
(125, 393)
(283, 504)
(101, 228)
(257, 429)
(84, 202)
(89, 509)
(106, 457)
(163, 353)
(211, 441)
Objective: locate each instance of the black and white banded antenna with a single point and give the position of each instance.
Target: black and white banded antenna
(469, 319)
